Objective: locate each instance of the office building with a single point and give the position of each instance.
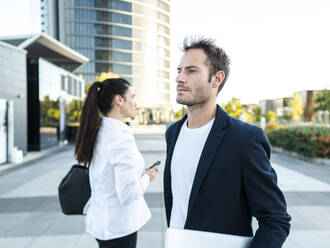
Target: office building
(130, 38)
(39, 93)
(13, 103)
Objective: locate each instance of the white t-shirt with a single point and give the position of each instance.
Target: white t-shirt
(186, 155)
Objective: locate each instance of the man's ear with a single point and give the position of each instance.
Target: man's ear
(218, 78)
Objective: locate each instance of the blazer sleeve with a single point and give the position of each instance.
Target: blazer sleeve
(129, 186)
(265, 199)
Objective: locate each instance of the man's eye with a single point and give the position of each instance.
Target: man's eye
(191, 71)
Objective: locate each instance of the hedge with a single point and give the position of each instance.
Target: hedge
(309, 141)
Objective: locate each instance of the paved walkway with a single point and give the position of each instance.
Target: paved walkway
(30, 216)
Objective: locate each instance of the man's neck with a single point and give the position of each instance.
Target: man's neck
(200, 115)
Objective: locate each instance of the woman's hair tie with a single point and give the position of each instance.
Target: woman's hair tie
(99, 86)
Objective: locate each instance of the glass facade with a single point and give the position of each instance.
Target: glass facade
(125, 37)
(60, 98)
(13, 84)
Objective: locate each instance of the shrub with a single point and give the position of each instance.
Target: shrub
(309, 141)
(273, 126)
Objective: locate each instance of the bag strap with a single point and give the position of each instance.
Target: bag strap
(87, 165)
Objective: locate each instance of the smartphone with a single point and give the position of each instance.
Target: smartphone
(156, 163)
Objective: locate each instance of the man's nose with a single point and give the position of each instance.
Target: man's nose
(180, 78)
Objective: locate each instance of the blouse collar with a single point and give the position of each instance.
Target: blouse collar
(111, 122)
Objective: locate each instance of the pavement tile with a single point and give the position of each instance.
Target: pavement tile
(30, 215)
(314, 239)
(17, 242)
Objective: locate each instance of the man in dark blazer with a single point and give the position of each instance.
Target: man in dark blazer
(217, 173)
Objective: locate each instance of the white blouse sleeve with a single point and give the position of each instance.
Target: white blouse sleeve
(129, 184)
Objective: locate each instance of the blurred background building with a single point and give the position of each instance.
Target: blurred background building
(130, 38)
(40, 96)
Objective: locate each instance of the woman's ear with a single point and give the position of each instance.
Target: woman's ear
(118, 100)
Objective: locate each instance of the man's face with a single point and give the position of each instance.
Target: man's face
(193, 87)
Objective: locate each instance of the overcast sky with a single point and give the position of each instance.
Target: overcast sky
(276, 46)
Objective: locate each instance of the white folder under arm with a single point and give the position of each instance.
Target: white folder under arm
(178, 238)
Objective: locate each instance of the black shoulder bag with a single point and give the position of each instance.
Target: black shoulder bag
(74, 190)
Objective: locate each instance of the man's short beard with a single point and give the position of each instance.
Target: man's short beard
(191, 103)
(201, 96)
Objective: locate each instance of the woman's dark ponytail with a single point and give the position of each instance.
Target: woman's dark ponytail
(97, 103)
(89, 125)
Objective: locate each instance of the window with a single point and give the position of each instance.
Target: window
(137, 45)
(163, 63)
(62, 82)
(163, 6)
(163, 74)
(138, 70)
(122, 44)
(122, 69)
(103, 16)
(75, 86)
(120, 56)
(113, 43)
(113, 4)
(113, 56)
(101, 42)
(119, 69)
(101, 29)
(121, 18)
(69, 85)
(130, 80)
(163, 52)
(120, 5)
(103, 55)
(163, 29)
(163, 85)
(163, 41)
(103, 67)
(138, 58)
(121, 31)
(140, 34)
(79, 89)
(113, 30)
(101, 3)
(163, 96)
(84, 41)
(163, 17)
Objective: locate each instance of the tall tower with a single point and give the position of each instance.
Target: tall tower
(130, 38)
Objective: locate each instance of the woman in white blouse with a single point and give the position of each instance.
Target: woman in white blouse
(116, 209)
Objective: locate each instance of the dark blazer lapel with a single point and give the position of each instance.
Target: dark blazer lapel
(211, 146)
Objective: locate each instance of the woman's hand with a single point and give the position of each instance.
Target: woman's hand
(153, 172)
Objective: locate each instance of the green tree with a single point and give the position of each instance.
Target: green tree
(73, 110)
(45, 106)
(178, 114)
(103, 76)
(286, 115)
(233, 107)
(256, 114)
(322, 100)
(271, 117)
(297, 107)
